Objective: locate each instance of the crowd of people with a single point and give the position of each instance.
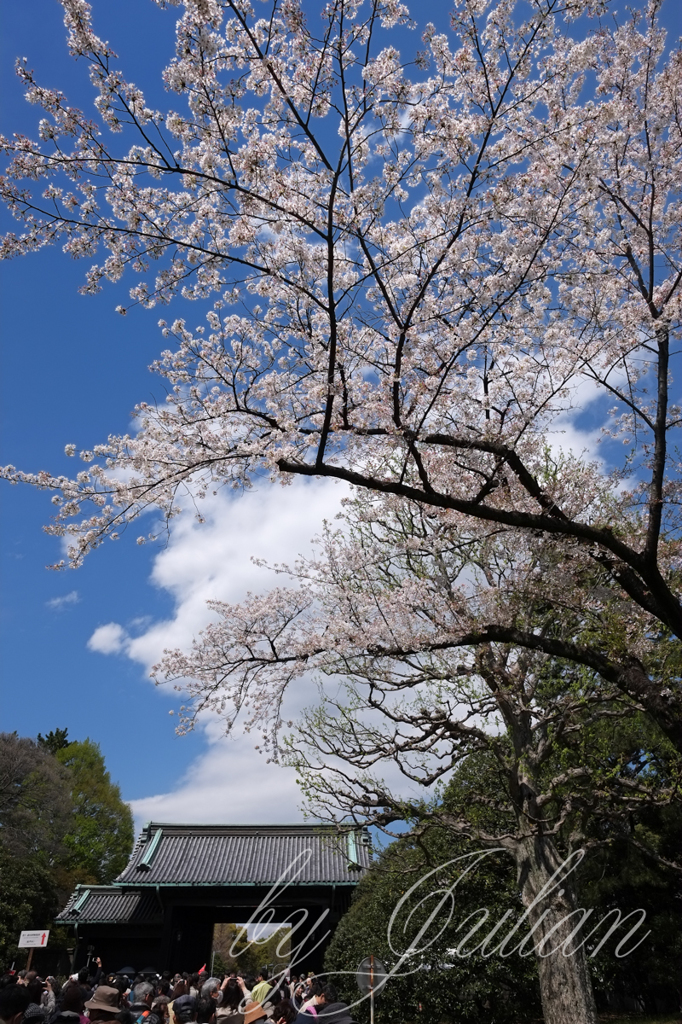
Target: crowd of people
(95, 997)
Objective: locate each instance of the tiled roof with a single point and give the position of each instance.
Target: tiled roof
(107, 903)
(245, 855)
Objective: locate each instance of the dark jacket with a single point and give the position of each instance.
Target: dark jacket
(142, 1010)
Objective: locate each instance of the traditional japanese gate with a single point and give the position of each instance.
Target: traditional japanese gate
(183, 879)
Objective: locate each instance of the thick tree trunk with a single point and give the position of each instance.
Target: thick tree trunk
(565, 984)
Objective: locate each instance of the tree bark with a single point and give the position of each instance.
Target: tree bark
(565, 983)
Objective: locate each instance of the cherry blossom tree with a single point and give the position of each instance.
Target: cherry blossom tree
(383, 616)
(421, 269)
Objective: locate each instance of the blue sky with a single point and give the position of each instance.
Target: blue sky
(72, 370)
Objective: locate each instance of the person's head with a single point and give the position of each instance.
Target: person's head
(143, 993)
(83, 976)
(232, 994)
(34, 1013)
(14, 1000)
(327, 995)
(35, 987)
(73, 1000)
(210, 988)
(185, 1009)
(102, 1015)
(105, 1003)
(160, 1007)
(286, 1012)
(263, 974)
(164, 986)
(206, 1010)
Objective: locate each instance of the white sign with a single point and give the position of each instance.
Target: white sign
(32, 939)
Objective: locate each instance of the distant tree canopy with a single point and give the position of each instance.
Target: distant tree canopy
(62, 821)
(234, 952)
(101, 837)
(55, 740)
(35, 800)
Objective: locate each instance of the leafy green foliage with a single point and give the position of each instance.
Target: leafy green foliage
(434, 984)
(62, 821)
(29, 900)
(101, 836)
(622, 876)
(35, 801)
(234, 952)
(55, 740)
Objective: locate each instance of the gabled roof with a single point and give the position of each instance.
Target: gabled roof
(171, 854)
(105, 904)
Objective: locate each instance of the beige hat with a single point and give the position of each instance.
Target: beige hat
(105, 998)
(255, 1011)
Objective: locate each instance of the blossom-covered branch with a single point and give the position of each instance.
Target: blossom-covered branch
(421, 268)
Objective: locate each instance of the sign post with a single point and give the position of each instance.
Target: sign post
(370, 977)
(31, 941)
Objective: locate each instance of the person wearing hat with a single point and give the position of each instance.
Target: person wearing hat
(185, 1009)
(255, 1011)
(105, 1003)
(34, 1014)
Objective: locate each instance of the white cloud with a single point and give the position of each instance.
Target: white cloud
(230, 782)
(213, 559)
(108, 639)
(59, 603)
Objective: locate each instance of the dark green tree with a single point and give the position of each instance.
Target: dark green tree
(35, 815)
(235, 952)
(30, 899)
(632, 866)
(434, 984)
(101, 836)
(55, 740)
(35, 800)
(62, 821)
